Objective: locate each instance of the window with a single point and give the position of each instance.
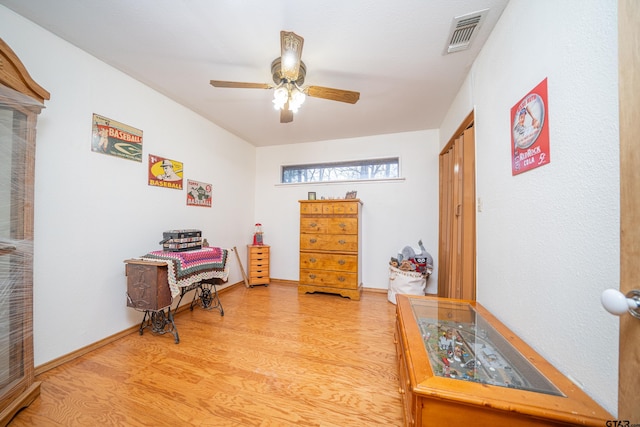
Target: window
(356, 170)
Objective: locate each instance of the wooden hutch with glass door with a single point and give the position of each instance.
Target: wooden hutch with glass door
(21, 100)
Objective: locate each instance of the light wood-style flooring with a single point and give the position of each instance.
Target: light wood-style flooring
(275, 358)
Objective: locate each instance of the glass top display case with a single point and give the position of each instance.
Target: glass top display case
(459, 365)
(463, 345)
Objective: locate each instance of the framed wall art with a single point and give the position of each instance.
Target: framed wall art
(530, 131)
(115, 139)
(199, 193)
(165, 172)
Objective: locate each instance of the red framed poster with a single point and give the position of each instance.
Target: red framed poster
(530, 131)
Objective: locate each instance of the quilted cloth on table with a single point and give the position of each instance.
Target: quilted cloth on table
(189, 267)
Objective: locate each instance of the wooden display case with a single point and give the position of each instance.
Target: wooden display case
(458, 365)
(258, 264)
(21, 100)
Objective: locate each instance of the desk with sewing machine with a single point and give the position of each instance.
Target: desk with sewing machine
(154, 280)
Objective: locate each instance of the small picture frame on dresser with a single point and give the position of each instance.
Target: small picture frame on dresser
(351, 195)
(311, 195)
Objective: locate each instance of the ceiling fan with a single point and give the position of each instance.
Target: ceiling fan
(288, 72)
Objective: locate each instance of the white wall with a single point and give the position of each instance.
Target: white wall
(395, 213)
(93, 211)
(548, 239)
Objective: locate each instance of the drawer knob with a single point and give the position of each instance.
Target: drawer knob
(341, 279)
(313, 224)
(312, 260)
(313, 240)
(312, 276)
(342, 225)
(342, 262)
(342, 242)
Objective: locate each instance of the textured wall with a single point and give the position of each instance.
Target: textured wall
(548, 239)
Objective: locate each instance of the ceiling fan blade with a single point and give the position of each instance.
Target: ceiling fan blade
(286, 115)
(242, 85)
(333, 94)
(290, 54)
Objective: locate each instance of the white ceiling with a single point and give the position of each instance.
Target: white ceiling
(391, 51)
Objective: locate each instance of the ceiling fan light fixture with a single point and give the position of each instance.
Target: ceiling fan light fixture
(296, 99)
(280, 97)
(288, 73)
(285, 95)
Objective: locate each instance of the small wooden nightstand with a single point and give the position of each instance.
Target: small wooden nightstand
(258, 265)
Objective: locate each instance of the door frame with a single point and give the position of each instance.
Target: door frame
(457, 213)
(629, 87)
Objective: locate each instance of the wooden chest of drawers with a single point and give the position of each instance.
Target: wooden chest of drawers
(330, 247)
(258, 264)
(147, 285)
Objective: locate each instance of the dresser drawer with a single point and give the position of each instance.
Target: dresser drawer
(329, 242)
(311, 208)
(314, 225)
(341, 208)
(259, 251)
(259, 273)
(332, 262)
(342, 226)
(334, 279)
(257, 261)
(328, 208)
(329, 225)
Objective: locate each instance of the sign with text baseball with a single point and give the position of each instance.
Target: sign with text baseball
(199, 193)
(115, 139)
(165, 172)
(530, 131)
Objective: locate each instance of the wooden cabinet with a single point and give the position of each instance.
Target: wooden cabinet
(258, 264)
(458, 365)
(147, 285)
(330, 236)
(20, 102)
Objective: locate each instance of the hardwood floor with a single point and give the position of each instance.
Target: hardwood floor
(275, 358)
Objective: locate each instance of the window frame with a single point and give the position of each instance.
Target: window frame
(342, 163)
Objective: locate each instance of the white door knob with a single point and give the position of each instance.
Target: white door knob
(615, 302)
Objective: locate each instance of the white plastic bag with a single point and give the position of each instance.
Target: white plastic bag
(405, 282)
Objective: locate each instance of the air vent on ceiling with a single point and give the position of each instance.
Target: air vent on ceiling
(464, 29)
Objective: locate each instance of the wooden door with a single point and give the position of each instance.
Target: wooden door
(629, 88)
(457, 240)
(17, 161)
